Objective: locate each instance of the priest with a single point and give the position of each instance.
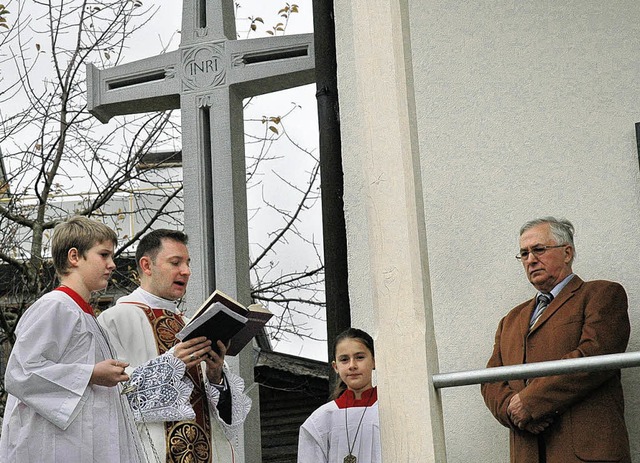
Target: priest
(142, 327)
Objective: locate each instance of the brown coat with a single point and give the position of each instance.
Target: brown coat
(585, 319)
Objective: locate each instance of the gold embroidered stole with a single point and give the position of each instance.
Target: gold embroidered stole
(186, 441)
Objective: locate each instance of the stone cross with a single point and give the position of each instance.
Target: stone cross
(207, 78)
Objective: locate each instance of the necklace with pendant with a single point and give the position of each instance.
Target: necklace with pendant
(351, 458)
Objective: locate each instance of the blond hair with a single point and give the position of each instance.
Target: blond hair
(77, 232)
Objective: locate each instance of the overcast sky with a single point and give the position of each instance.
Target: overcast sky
(163, 31)
(302, 126)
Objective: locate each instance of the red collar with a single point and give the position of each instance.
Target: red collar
(348, 398)
(84, 305)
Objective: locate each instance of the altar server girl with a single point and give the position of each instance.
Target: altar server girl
(347, 428)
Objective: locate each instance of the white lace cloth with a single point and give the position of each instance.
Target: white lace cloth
(241, 403)
(160, 391)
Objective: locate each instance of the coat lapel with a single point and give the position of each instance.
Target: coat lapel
(557, 302)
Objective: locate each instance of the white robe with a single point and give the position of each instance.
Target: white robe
(132, 337)
(52, 413)
(323, 436)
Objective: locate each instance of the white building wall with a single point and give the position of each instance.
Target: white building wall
(523, 109)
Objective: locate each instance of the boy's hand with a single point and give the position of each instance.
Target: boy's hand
(109, 373)
(192, 351)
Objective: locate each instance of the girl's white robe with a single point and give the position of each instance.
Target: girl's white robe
(323, 436)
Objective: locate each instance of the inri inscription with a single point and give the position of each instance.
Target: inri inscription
(203, 66)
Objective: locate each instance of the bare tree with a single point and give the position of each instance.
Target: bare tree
(292, 287)
(56, 160)
(287, 269)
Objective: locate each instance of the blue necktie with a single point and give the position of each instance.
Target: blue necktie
(544, 300)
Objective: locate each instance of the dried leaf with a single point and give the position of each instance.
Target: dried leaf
(270, 32)
(273, 129)
(38, 46)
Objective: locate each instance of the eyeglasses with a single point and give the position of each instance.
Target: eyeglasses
(537, 251)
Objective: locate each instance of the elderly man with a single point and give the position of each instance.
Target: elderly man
(566, 418)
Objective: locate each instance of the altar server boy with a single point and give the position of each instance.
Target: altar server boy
(63, 403)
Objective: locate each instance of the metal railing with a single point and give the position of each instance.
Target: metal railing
(535, 370)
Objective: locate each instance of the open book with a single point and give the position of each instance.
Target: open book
(223, 318)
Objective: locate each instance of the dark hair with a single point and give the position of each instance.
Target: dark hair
(358, 335)
(151, 243)
(77, 232)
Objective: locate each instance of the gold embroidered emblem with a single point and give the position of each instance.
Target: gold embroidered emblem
(188, 443)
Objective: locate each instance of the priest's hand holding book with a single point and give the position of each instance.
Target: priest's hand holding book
(215, 362)
(197, 350)
(193, 351)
